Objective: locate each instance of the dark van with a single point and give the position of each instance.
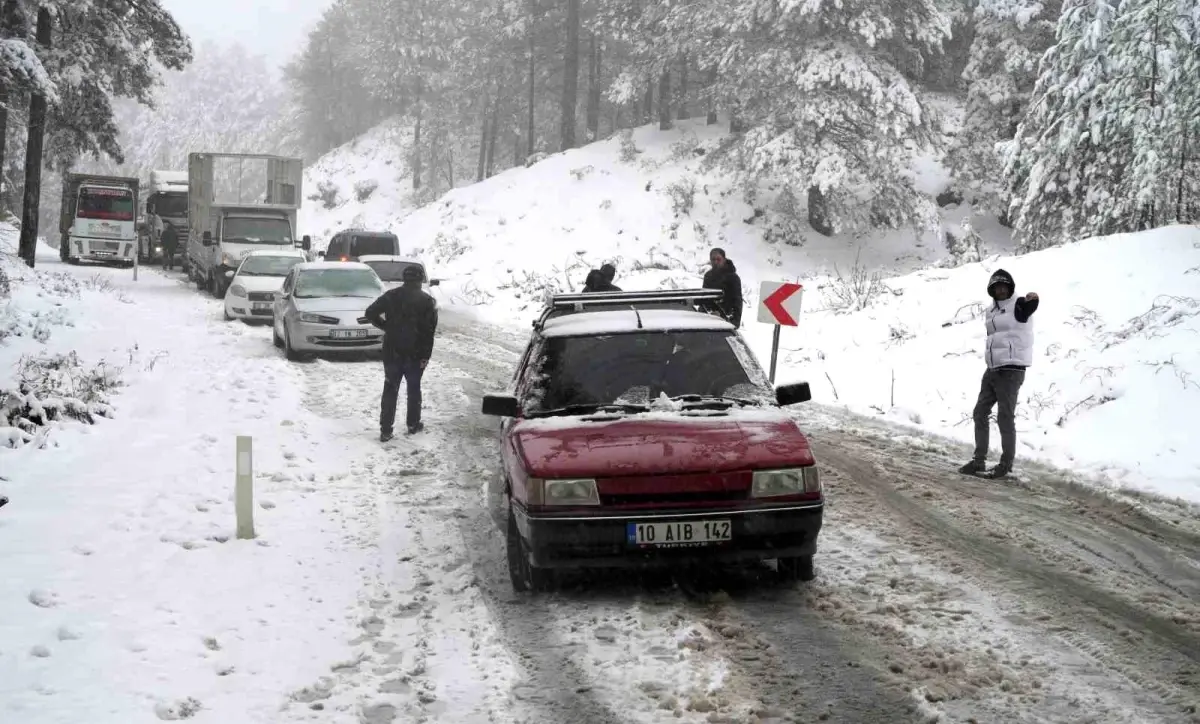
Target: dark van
(354, 243)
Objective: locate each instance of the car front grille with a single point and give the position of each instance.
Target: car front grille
(262, 297)
(686, 490)
(110, 245)
(665, 499)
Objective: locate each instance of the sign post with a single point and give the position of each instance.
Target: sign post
(779, 304)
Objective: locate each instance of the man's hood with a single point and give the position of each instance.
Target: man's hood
(1000, 276)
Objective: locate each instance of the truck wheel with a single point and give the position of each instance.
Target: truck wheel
(796, 569)
(524, 575)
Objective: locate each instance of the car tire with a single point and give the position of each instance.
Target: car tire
(275, 336)
(228, 317)
(799, 568)
(525, 577)
(291, 354)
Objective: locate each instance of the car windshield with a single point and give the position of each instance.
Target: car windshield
(392, 271)
(107, 204)
(172, 205)
(640, 368)
(368, 245)
(338, 283)
(252, 230)
(268, 266)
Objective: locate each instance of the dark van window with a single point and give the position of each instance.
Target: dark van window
(367, 245)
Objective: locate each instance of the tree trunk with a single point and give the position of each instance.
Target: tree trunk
(818, 212)
(416, 149)
(490, 165)
(736, 125)
(1183, 159)
(450, 167)
(593, 94)
(33, 155)
(9, 20)
(530, 129)
(570, 92)
(483, 138)
(664, 101)
(712, 101)
(683, 89)
(517, 160)
(648, 103)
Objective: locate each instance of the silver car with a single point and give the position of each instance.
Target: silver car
(321, 306)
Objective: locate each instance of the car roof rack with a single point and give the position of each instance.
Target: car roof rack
(558, 305)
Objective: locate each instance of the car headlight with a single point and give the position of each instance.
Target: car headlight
(563, 492)
(317, 319)
(774, 483)
(237, 290)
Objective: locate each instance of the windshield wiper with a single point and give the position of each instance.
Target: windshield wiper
(696, 400)
(589, 408)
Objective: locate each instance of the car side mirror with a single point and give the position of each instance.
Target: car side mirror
(434, 282)
(306, 243)
(229, 274)
(501, 406)
(792, 394)
(206, 239)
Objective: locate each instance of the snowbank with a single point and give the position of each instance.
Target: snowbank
(1115, 383)
(645, 200)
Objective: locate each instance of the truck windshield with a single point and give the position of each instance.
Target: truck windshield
(338, 283)
(257, 230)
(639, 367)
(102, 203)
(171, 205)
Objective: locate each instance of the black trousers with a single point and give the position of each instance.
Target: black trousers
(999, 388)
(394, 372)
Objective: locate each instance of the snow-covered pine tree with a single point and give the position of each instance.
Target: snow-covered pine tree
(1010, 37)
(1065, 162)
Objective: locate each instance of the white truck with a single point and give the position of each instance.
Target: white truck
(238, 203)
(166, 203)
(98, 219)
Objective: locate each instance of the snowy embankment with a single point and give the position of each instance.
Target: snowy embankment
(1116, 368)
(125, 595)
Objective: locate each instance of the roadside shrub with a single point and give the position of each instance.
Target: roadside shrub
(52, 388)
(327, 194)
(364, 189)
(855, 291)
(683, 196)
(629, 149)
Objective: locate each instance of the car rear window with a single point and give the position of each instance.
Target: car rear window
(638, 368)
(392, 271)
(367, 245)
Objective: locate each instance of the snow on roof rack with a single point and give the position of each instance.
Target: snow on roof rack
(580, 302)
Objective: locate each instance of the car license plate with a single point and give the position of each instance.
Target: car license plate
(261, 306)
(679, 533)
(348, 333)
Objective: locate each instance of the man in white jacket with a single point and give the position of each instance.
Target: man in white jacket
(1008, 352)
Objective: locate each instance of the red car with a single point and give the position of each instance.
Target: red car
(639, 430)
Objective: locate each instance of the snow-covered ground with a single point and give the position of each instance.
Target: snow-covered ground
(1116, 371)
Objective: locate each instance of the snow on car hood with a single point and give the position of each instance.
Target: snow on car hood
(334, 304)
(662, 443)
(259, 284)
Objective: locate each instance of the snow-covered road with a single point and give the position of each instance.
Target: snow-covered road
(377, 590)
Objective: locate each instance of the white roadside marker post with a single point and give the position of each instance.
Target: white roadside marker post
(244, 488)
(136, 254)
(779, 304)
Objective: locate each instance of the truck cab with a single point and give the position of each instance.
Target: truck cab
(98, 219)
(243, 230)
(166, 203)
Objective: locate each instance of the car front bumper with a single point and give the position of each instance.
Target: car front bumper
(318, 338)
(243, 308)
(601, 541)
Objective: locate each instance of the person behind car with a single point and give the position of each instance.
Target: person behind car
(601, 280)
(723, 275)
(1008, 351)
(409, 318)
(170, 243)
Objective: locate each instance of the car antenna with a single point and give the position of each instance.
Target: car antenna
(637, 314)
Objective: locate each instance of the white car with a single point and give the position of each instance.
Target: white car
(321, 309)
(390, 269)
(258, 278)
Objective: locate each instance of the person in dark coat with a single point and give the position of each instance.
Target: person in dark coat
(170, 244)
(723, 275)
(601, 280)
(409, 318)
(1008, 352)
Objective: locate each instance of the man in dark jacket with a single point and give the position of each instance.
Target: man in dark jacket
(170, 243)
(409, 318)
(724, 276)
(601, 280)
(1008, 351)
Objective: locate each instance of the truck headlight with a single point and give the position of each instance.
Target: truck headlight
(237, 290)
(797, 481)
(563, 492)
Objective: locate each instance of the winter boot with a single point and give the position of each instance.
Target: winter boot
(385, 435)
(414, 429)
(975, 467)
(1000, 471)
